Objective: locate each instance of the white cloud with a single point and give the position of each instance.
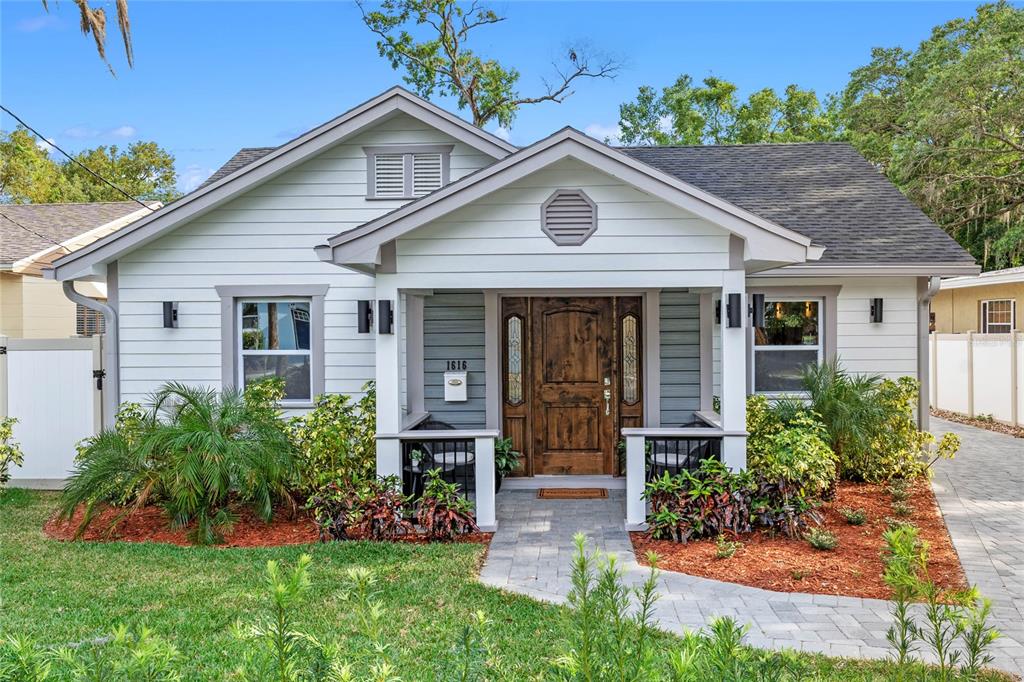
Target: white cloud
(38, 23)
(46, 145)
(502, 132)
(81, 132)
(123, 131)
(193, 176)
(604, 133)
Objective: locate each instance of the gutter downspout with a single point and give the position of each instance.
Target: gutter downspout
(927, 292)
(112, 387)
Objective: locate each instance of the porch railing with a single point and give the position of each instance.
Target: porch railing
(650, 452)
(465, 458)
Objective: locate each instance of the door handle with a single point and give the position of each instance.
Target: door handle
(607, 401)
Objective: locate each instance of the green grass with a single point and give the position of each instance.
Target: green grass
(59, 592)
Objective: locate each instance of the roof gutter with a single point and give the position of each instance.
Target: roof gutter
(928, 287)
(112, 388)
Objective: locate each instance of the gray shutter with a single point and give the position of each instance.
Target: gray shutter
(389, 175)
(568, 217)
(426, 173)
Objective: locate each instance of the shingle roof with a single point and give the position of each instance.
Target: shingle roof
(49, 223)
(823, 190)
(243, 157)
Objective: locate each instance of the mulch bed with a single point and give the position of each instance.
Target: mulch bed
(853, 569)
(150, 525)
(987, 424)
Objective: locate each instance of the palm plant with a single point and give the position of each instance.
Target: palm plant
(200, 450)
(846, 405)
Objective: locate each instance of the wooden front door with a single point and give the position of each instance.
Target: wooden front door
(563, 393)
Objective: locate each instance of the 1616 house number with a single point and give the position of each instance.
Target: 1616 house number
(457, 365)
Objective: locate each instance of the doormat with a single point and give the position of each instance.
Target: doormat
(572, 493)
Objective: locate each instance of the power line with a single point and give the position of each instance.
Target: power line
(73, 160)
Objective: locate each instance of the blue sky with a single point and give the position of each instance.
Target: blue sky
(211, 77)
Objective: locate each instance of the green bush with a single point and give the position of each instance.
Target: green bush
(789, 444)
(854, 517)
(335, 441)
(195, 453)
(441, 512)
(822, 539)
(10, 452)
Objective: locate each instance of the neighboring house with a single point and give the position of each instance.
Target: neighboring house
(32, 236)
(986, 303)
(567, 294)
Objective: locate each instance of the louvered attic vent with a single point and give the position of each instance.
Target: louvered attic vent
(406, 171)
(568, 217)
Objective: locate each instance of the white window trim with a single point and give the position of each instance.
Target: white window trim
(985, 315)
(242, 352)
(819, 347)
(408, 151)
(230, 320)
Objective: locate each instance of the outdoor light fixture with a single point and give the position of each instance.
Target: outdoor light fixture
(170, 314)
(876, 310)
(364, 316)
(733, 310)
(757, 310)
(385, 317)
(718, 312)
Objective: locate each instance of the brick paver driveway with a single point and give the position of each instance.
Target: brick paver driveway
(981, 493)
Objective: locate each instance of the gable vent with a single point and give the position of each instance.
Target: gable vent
(568, 217)
(389, 175)
(426, 174)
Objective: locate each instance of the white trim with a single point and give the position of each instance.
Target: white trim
(872, 270)
(387, 104)
(414, 392)
(652, 357)
(359, 246)
(1007, 276)
(493, 404)
(985, 312)
(819, 346)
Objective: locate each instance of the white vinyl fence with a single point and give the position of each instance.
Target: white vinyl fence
(979, 374)
(50, 387)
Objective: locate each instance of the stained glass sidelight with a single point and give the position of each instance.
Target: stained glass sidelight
(630, 361)
(514, 354)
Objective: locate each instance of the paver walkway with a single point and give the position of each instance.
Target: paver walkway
(532, 550)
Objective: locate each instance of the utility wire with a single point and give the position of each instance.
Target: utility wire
(74, 160)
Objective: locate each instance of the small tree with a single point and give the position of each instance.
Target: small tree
(442, 63)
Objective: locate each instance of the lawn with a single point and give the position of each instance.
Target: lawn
(60, 592)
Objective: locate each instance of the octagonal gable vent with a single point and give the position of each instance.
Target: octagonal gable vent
(568, 217)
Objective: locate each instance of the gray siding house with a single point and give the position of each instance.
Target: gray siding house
(569, 295)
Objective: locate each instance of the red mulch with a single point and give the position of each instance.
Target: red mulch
(149, 524)
(853, 569)
(987, 424)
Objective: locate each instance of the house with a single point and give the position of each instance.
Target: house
(567, 294)
(32, 236)
(985, 303)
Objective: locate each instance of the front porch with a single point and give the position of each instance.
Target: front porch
(615, 386)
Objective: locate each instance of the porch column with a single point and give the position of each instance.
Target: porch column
(484, 470)
(636, 461)
(388, 379)
(734, 375)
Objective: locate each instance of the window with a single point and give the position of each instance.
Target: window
(514, 355)
(789, 341)
(274, 341)
(630, 360)
(406, 172)
(88, 322)
(998, 317)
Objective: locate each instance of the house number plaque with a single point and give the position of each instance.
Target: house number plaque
(457, 365)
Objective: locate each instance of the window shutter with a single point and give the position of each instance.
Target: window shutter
(88, 322)
(389, 175)
(426, 174)
(569, 217)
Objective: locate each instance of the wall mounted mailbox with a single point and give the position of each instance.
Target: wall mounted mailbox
(170, 314)
(455, 384)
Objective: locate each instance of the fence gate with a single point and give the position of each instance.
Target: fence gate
(53, 388)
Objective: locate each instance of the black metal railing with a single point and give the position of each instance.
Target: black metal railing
(455, 458)
(675, 454)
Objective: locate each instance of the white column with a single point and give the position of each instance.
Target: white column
(484, 469)
(388, 380)
(636, 506)
(734, 374)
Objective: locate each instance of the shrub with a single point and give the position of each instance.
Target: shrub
(379, 509)
(505, 458)
(10, 451)
(196, 454)
(332, 509)
(846, 405)
(335, 441)
(441, 512)
(796, 454)
(822, 539)
(854, 517)
(707, 503)
(726, 548)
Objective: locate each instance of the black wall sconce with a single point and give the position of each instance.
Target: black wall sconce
(718, 312)
(876, 310)
(385, 317)
(364, 315)
(733, 310)
(170, 314)
(757, 310)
